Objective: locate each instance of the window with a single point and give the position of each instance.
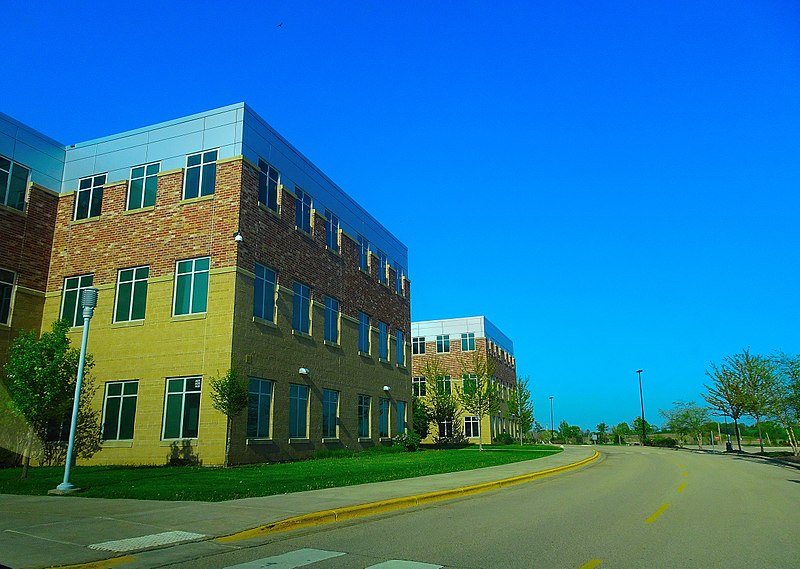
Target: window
(400, 347)
(442, 344)
(191, 286)
(119, 410)
(268, 180)
(201, 174)
(131, 294)
(330, 414)
(399, 273)
(13, 183)
(7, 281)
(298, 411)
(301, 308)
(89, 197)
(468, 342)
(363, 256)
(418, 345)
(142, 186)
(471, 427)
(469, 382)
(418, 386)
(331, 320)
(363, 333)
(182, 408)
(71, 309)
(383, 417)
(445, 429)
(363, 416)
(445, 384)
(383, 341)
(383, 263)
(303, 210)
(264, 293)
(259, 408)
(401, 417)
(331, 230)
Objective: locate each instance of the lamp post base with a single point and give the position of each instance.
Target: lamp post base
(63, 489)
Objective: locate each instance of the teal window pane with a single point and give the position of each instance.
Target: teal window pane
(202, 264)
(110, 425)
(97, 202)
(152, 169)
(192, 186)
(127, 417)
(172, 421)
(123, 303)
(82, 211)
(115, 389)
(86, 280)
(184, 267)
(191, 415)
(69, 309)
(139, 300)
(131, 388)
(142, 272)
(18, 186)
(200, 293)
(175, 385)
(135, 194)
(193, 160)
(3, 185)
(182, 294)
(209, 179)
(126, 275)
(150, 186)
(137, 172)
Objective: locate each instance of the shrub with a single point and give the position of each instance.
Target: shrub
(663, 442)
(504, 439)
(407, 441)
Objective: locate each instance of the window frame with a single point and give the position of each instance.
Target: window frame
(364, 333)
(301, 308)
(332, 225)
(204, 166)
(77, 317)
(264, 289)
(93, 187)
(332, 319)
(145, 178)
(123, 397)
(133, 282)
(267, 185)
(419, 386)
(443, 344)
(364, 416)
(468, 340)
(383, 266)
(183, 410)
(7, 290)
(304, 207)
(400, 417)
(193, 280)
(262, 398)
(294, 407)
(474, 426)
(383, 418)
(329, 421)
(363, 253)
(417, 345)
(383, 341)
(6, 189)
(400, 347)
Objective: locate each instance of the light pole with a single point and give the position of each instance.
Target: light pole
(641, 400)
(551, 418)
(89, 301)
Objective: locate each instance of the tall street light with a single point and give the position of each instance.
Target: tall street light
(551, 416)
(89, 301)
(641, 400)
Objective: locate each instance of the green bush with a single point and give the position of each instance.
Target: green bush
(663, 442)
(407, 441)
(504, 439)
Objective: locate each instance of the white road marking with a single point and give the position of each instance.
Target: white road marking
(147, 541)
(290, 560)
(399, 564)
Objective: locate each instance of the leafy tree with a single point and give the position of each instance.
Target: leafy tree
(602, 428)
(442, 403)
(40, 376)
(520, 405)
(758, 376)
(229, 396)
(621, 430)
(545, 435)
(477, 394)
(686, 419)
(421, 418)
(785, 399)
(570, 432)
(636, 428)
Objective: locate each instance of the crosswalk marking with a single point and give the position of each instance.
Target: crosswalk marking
(147, 541)
(400, 564)
(290, 560)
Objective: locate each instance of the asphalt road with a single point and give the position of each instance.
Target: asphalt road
(634, 508)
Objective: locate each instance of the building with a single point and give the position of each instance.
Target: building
(452, 343)
(214, 244)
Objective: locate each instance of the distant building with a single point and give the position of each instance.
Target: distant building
(452, 343)
(214, 244)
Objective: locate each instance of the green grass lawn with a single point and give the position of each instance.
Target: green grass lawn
(219, 484)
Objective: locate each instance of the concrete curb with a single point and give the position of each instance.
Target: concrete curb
(382, 506)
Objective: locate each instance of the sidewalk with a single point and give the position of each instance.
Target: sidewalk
(42, 531)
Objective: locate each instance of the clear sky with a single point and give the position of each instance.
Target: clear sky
(613, 184)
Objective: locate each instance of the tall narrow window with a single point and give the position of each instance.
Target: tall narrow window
(303, 210)
(264, 293)
(259, 407)
(298, 411)
(13, 183)
(471, 427)
(201, 174)
(442, 344)
(418, 345)
(331, 320)
(268, 181)
(363, 333)
(418, 386)
(363, 416)
(331, 230)
(182, 408)
(131, 294)
(191, 286)
(469, 383)
(400, 347)
(445, 429)
(383, 417)
(468, 342)
(363, 253)
(401, 417)
(142, 186)
(7, 281)
(89, 197)
(71, 309)
(383, 263)
(444, 384)
(119, 410)
(301, 308)
(399, 273)
(383, 340)
(330, 414)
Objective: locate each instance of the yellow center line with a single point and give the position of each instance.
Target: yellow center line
(682, 487)
(591, 564)
(657, 513)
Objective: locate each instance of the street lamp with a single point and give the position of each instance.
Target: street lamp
(89, 301)
(551, 418)
(641, 400)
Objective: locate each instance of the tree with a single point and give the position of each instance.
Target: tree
(636, 428)
(229, 396)
(621, 430)
(421, 417)
(520, 405)
(477, 394)
(785, 399)
(41, 375)
(602, 428)
(758, 377)
(686, 419)
(442, 404)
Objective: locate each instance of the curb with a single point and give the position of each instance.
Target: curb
(372, 508)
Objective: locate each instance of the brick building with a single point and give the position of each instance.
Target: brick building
(452, 343)
(214, 244)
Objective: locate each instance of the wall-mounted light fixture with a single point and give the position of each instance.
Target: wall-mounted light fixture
(387, 388)
(237, 236)
(304, 371)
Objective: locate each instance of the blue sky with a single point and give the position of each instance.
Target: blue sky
(614, 184)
